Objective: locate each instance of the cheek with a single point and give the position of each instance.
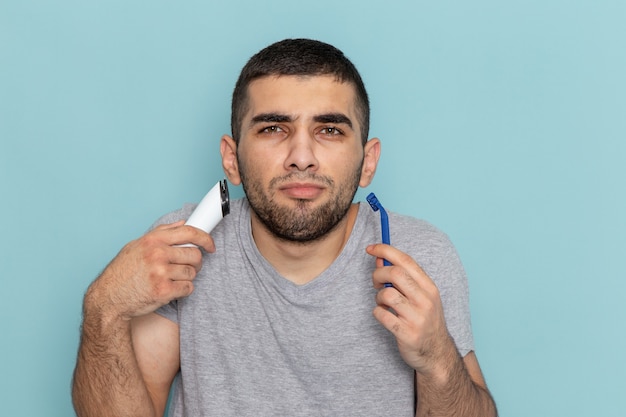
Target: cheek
(254, 164)
(346, 164)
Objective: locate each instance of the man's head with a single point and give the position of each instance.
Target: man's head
(299, 146)
(299, 57)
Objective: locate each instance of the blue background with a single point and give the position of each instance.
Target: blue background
(503, 123)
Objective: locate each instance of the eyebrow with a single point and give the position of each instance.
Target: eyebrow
(334, 118)
(270, 118)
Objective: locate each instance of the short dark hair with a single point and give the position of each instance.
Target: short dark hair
(298, 57)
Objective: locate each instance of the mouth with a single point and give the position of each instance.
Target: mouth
(302, 190)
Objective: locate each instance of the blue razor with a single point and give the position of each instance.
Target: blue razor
(384, 224)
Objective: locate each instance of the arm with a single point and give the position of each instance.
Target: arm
(157, 349)
(446, 384)
(457, 392)
(126, 354)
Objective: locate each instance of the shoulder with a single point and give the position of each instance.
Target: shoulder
(431, 248)
(408, 230)
(173, 216)
(414, 236)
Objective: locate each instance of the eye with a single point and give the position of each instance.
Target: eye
(331, 131)
(271, 129)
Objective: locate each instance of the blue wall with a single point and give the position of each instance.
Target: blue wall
(503, 123)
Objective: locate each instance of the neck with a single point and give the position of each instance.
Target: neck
(302, 262)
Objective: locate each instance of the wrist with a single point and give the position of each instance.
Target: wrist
(100, 317)
(442, 367)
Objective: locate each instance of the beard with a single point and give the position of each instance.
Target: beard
(304, 223)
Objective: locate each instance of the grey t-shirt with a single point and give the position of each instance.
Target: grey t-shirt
(254, 343)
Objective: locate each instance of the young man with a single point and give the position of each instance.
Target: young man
(273, 317)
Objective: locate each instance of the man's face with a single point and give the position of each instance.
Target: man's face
(300, 154)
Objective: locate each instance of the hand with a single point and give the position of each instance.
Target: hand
(416, 320)
(149, 272)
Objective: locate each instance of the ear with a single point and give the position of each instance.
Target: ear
(370, 161)
(228, 149)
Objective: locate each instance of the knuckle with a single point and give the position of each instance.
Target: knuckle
(156, 255)
(161, 290)
(149, 239)
(196, 258)
(189, 287)
(390, 297)
(395, 299)
(157, 274)
(190, 272)
(413, 286)
(396, 328)
(431, 306)
(189, 231)
(397, 272)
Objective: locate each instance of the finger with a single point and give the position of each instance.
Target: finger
(381, 276)
(181, 272)
(393, 255)
(181, 289)
(201, 239)
(397, 275)
(400, 315)
(169, 225)
(389, 320)
(189, 255)
(182, 234)
(400, 259)
(391, 298)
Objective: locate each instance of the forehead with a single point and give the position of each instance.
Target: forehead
(301, 96)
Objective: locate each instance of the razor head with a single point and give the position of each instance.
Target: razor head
(374, 203)
(225, 197)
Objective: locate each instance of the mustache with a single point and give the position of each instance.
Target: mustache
(302, 177)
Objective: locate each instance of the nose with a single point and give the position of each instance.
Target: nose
(301, 155)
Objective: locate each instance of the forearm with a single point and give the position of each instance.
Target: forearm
(453, 393)
(112, 378)
(107, 380)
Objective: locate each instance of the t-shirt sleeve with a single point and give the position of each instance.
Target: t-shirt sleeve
(453, 287)
(169, 311)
